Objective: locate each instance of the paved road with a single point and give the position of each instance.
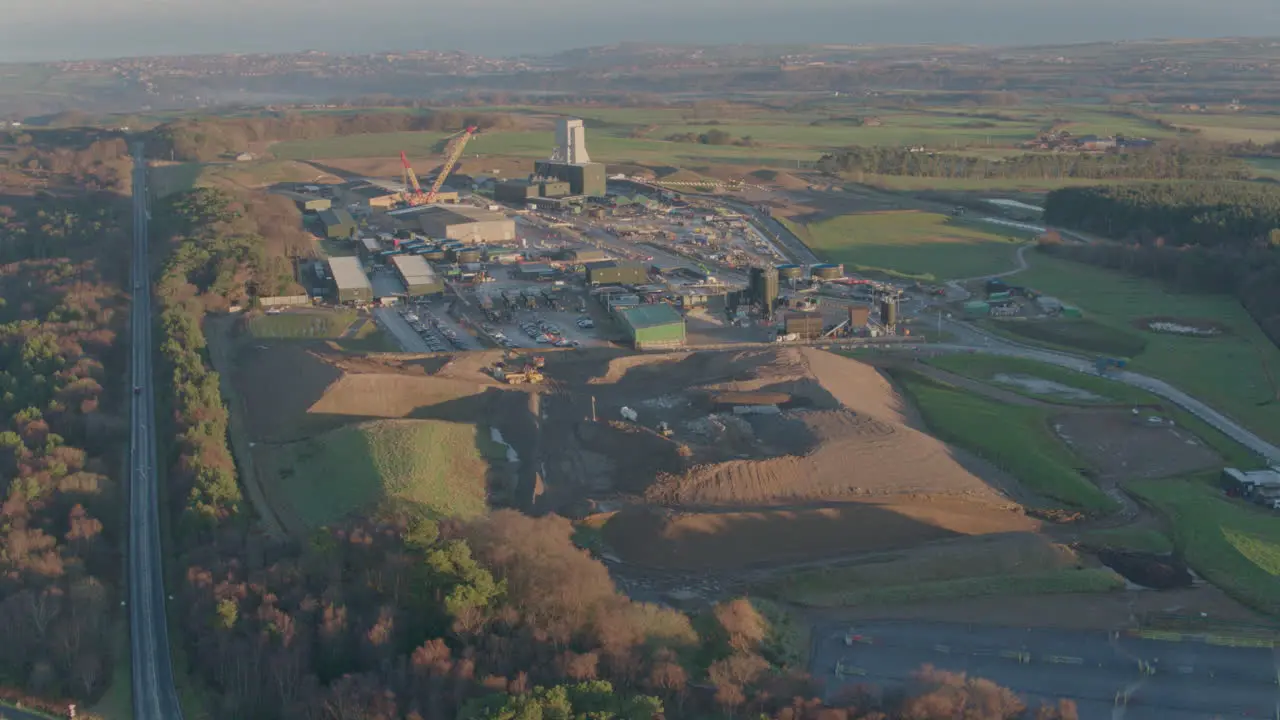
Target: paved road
(1103, 672)
(154, 696)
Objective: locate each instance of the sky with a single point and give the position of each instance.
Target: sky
(41, 30)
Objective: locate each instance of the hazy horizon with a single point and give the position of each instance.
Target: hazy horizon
(80, 29)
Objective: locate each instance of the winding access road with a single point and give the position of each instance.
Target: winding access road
(154, 695)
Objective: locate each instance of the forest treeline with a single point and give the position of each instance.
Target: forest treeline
(1201, 237)
(207, 139)
(1160, 162)
(401, 617)
(62, 317)
(84, 159)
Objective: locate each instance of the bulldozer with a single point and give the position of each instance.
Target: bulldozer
(528, 374)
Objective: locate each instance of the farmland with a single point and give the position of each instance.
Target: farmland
(1233, 371)
(922, 245)
(1233, 545)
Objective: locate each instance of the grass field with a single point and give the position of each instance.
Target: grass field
(985, 367)
(1266, 167)
(1231, 372)
(1233, 545)
(1016, 439)
(1082, 335)
(922, 245)
(1232, 127)
(433, 467)
(1138, 539)
(303, 324)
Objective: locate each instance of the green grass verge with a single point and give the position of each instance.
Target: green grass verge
(913, 244)
(1232, 544)
(436, 468)
(292, 324)
(1233, 373)
(1131, 538)
(1087, 580)
(1016, 439)
(1075, 335)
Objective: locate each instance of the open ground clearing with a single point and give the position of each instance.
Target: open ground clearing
(177, 177)
(1134, 537)
(909, 243)
(1234, 545)
(838, 468)
(1017, 439)
(1233, 372)
(1119, 445)
(1019, 563)
(1052, 384)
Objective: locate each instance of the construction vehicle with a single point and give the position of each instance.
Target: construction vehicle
(664, 429)
(528, 374)
(453, 151)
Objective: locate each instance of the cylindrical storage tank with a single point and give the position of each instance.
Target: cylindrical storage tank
(790, 272)
(436, 255)
(827, 272)
(468, 256)
(888, 313)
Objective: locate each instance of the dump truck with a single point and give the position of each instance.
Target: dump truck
(529, 374)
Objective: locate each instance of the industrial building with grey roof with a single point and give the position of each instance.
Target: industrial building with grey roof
(418, 276)
(350, 280)
(467, 224)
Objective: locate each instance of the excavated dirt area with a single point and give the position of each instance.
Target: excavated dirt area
(835, 466)
(1124, 446)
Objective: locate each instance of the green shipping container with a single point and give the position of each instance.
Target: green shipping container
(1071, 312)
(977, 308)
(996, 297)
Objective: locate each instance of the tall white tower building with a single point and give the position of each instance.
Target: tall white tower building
(571, 143)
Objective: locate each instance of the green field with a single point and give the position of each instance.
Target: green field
(1266, 167)
(1234, 545)
(1229, 372)
(296, 324)
(1015, 439)
(922, 245)
(605, 145)
(425, 466)
(1230, 127)
(985, 367)
(1138, 539)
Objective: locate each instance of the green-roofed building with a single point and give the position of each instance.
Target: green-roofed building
(338, 224)
(652, 327)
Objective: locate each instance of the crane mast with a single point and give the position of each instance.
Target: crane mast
(411, 181)
(452, 153)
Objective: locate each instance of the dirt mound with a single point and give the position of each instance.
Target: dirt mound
(866, 450)
(734, 540)
(857, 386)
(388, 396)
(750, 398)
(784, 180)
(291, 392)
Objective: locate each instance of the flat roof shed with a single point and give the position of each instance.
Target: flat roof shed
(349, 279)
(419, 278)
